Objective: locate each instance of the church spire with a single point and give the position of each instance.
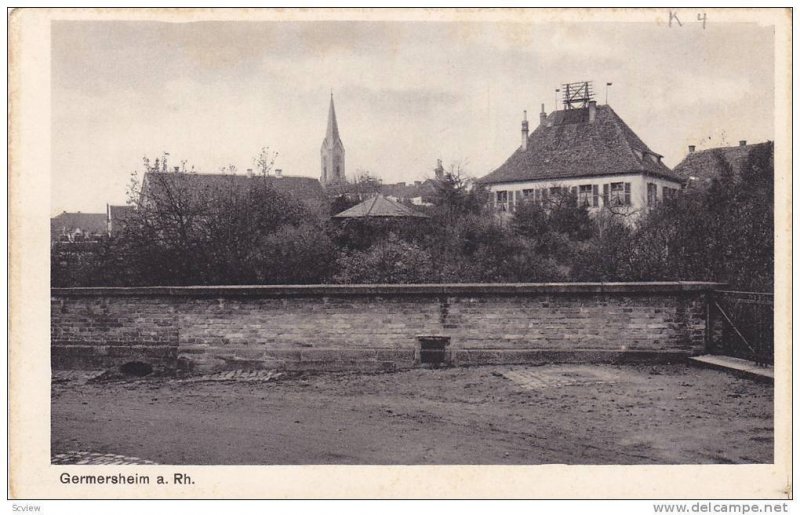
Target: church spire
(332, 151)
(332, 136)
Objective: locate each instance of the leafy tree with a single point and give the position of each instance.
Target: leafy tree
(185, 231)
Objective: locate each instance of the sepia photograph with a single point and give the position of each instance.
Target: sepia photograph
(413, 237)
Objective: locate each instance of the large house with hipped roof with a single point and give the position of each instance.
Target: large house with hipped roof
(588, 152)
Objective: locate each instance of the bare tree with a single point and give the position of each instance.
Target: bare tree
(265, 160)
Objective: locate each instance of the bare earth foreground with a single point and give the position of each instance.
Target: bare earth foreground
(575, 414)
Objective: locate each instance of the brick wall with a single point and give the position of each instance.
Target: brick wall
(367, 326)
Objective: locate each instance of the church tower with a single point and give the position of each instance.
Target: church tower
(332, 152)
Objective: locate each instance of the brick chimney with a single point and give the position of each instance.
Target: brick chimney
(278, 173)
(249, 172)
(592, 110)
(542, 116)
(524, 130)
(742, 142)
(691, 149)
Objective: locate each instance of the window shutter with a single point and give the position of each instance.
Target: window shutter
(595, 200)
(605, 194)
(627, 194)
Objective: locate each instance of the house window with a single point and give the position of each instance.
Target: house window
(669, 193)
(502, 200)
(619, 194)
(652, 194)
(527, 194)
(585, 195)
(595, 195)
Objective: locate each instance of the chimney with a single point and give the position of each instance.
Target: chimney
(592, 110)
(249, 172)
(742, 142)
(542, 116)
(524, 130)
(176, 168)
(278, 173)
(691, 149)
(439, 170)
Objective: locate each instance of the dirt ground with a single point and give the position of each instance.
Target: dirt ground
(574, 414)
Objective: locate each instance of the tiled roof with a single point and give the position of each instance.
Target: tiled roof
(199, 186)
(702, 166)
(380, 207)
(86, 222)
(567, 145)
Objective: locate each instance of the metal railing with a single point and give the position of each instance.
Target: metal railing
(741, 325)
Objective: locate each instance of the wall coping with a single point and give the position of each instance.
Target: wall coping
(324, 290)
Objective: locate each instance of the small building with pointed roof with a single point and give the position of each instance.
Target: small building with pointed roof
(382, 208)
(589, 152)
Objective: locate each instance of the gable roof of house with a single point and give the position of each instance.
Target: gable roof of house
(568, 145)
(703, 166)
(198, 186)
(380, 207)
(86, 222)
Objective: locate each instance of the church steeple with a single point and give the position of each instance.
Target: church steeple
(332, 151)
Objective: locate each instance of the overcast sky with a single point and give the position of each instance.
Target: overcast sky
(214, 93)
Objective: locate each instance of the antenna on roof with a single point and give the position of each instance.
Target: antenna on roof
(577, 94)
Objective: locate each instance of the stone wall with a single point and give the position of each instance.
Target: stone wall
(375, 326)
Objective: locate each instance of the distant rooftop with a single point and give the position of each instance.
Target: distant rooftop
(704, 165)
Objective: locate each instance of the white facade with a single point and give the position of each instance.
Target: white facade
(626, 194)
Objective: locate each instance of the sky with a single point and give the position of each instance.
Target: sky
(406, 93)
